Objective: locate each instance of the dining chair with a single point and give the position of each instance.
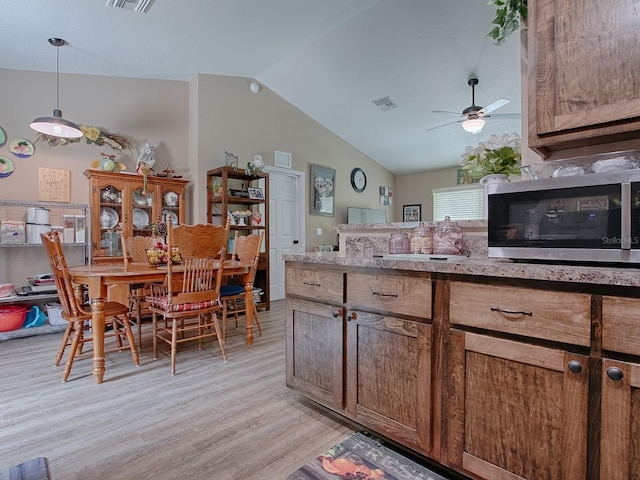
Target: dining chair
(76, 334)
(134, 249)
(246, 249)
(188, 305)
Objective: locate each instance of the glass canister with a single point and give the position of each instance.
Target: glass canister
(399, 242)
(421, 240)
(447, 238)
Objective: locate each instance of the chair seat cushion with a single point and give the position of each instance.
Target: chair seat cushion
(231, 289)
(162, 303)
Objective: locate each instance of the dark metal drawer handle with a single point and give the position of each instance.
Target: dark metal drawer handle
(615, 374)
(311, 284)
(575, 366)
(385, 294)
(511, 312)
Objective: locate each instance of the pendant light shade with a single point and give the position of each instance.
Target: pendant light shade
(55, 125)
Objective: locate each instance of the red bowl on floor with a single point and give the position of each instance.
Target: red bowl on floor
(12, 317)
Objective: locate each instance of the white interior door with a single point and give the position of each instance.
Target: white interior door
(286, 223)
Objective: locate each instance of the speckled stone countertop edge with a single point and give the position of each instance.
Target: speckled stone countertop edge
(482, 266)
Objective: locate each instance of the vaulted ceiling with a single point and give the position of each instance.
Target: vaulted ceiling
(329, 58)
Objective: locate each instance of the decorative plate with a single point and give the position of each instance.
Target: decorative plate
(170, 216)
(3, 137)
(21, 148)
(6, 167)
(171, 199)
(140, 218)
(108, 218)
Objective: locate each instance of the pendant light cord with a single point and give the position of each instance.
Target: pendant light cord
(57, 78)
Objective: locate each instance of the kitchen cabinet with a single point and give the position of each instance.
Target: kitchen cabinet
(582, 63)
(124, 199)
(244, 198)
(620, 416)
(349, 345)
(515, 405)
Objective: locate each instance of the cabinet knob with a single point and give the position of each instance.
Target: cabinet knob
(352, 316)
(575, 366)
(336, 314)
(615, 374)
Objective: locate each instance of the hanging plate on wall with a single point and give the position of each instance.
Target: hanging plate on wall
(3, 137)
(21, 148)
(6, 167)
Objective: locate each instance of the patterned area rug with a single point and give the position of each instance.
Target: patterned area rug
(361, 457)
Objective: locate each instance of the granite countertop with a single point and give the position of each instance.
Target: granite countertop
(602, 275)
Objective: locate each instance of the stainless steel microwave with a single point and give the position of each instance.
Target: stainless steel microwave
(579, 218)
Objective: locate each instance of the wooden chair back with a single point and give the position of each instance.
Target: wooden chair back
(246, 248)
(202, 240)
(71, 308)
(134, 249)
(202, 274)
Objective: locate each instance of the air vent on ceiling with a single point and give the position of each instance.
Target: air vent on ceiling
(140, 6)
(385, 103)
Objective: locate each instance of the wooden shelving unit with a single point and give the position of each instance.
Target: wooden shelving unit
(227, 191)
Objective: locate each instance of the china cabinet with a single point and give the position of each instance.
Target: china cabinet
(126, 201)
(582, 65)
(244, 199)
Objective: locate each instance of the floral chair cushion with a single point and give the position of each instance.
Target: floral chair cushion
(162, 302)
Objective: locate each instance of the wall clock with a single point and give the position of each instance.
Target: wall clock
(358, 180)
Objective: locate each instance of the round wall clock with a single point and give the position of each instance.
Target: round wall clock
(358, 180)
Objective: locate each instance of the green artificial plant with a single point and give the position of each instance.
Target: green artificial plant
(508, 16)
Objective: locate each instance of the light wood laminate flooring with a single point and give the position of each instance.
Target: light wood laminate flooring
(213, 420)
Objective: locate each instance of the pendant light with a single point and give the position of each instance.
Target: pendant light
(57, 126)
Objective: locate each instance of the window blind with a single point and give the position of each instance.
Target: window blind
(463, 202)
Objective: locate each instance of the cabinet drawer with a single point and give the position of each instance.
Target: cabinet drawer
(401, 294)
(318, 284)
(556, 316)
(621, 324)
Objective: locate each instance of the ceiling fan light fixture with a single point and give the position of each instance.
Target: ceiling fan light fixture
(473, 125)
(55, 125)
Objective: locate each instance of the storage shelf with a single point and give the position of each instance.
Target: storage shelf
(30, 332)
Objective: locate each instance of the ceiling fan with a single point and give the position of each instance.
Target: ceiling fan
(473, 116)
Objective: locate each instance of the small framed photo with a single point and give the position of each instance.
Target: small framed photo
(412, 213)
(256, 193)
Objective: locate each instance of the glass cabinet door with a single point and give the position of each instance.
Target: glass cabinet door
(142, 213)
(170, 207)
(111, 215)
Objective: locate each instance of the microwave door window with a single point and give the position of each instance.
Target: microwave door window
(582, 218)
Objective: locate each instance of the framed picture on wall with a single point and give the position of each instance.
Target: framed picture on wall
(412, 213)
(323, 180)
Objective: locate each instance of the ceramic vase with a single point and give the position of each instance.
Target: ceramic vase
(485, 182)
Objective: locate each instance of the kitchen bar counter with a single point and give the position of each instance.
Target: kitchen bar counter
(592, 274)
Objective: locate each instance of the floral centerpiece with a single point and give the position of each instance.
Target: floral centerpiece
(497, 155)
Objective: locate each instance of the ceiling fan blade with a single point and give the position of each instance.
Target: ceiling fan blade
(504, 116)
(443, 125)
(501, 102)
(447, 112)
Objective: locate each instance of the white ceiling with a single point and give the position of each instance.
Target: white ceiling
(329, 58)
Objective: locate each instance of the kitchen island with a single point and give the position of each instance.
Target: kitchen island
(496, 369)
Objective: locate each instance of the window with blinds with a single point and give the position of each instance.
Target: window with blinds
(463, 202)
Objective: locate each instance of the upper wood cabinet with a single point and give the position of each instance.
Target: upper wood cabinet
(123, 198)
(583, 66)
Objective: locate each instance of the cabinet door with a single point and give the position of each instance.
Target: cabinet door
(620, 438)
(314, 349)
(389, 376)
(583, 64)
(109, 198)
(516, 409)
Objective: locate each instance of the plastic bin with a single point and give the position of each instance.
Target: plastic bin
(12, 317)
(54, 312)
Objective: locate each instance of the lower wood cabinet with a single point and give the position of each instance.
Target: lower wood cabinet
(516, 411)
(388, 376)
(620, 429)
(314, 351)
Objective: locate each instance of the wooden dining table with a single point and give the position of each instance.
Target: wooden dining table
(99, 278)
